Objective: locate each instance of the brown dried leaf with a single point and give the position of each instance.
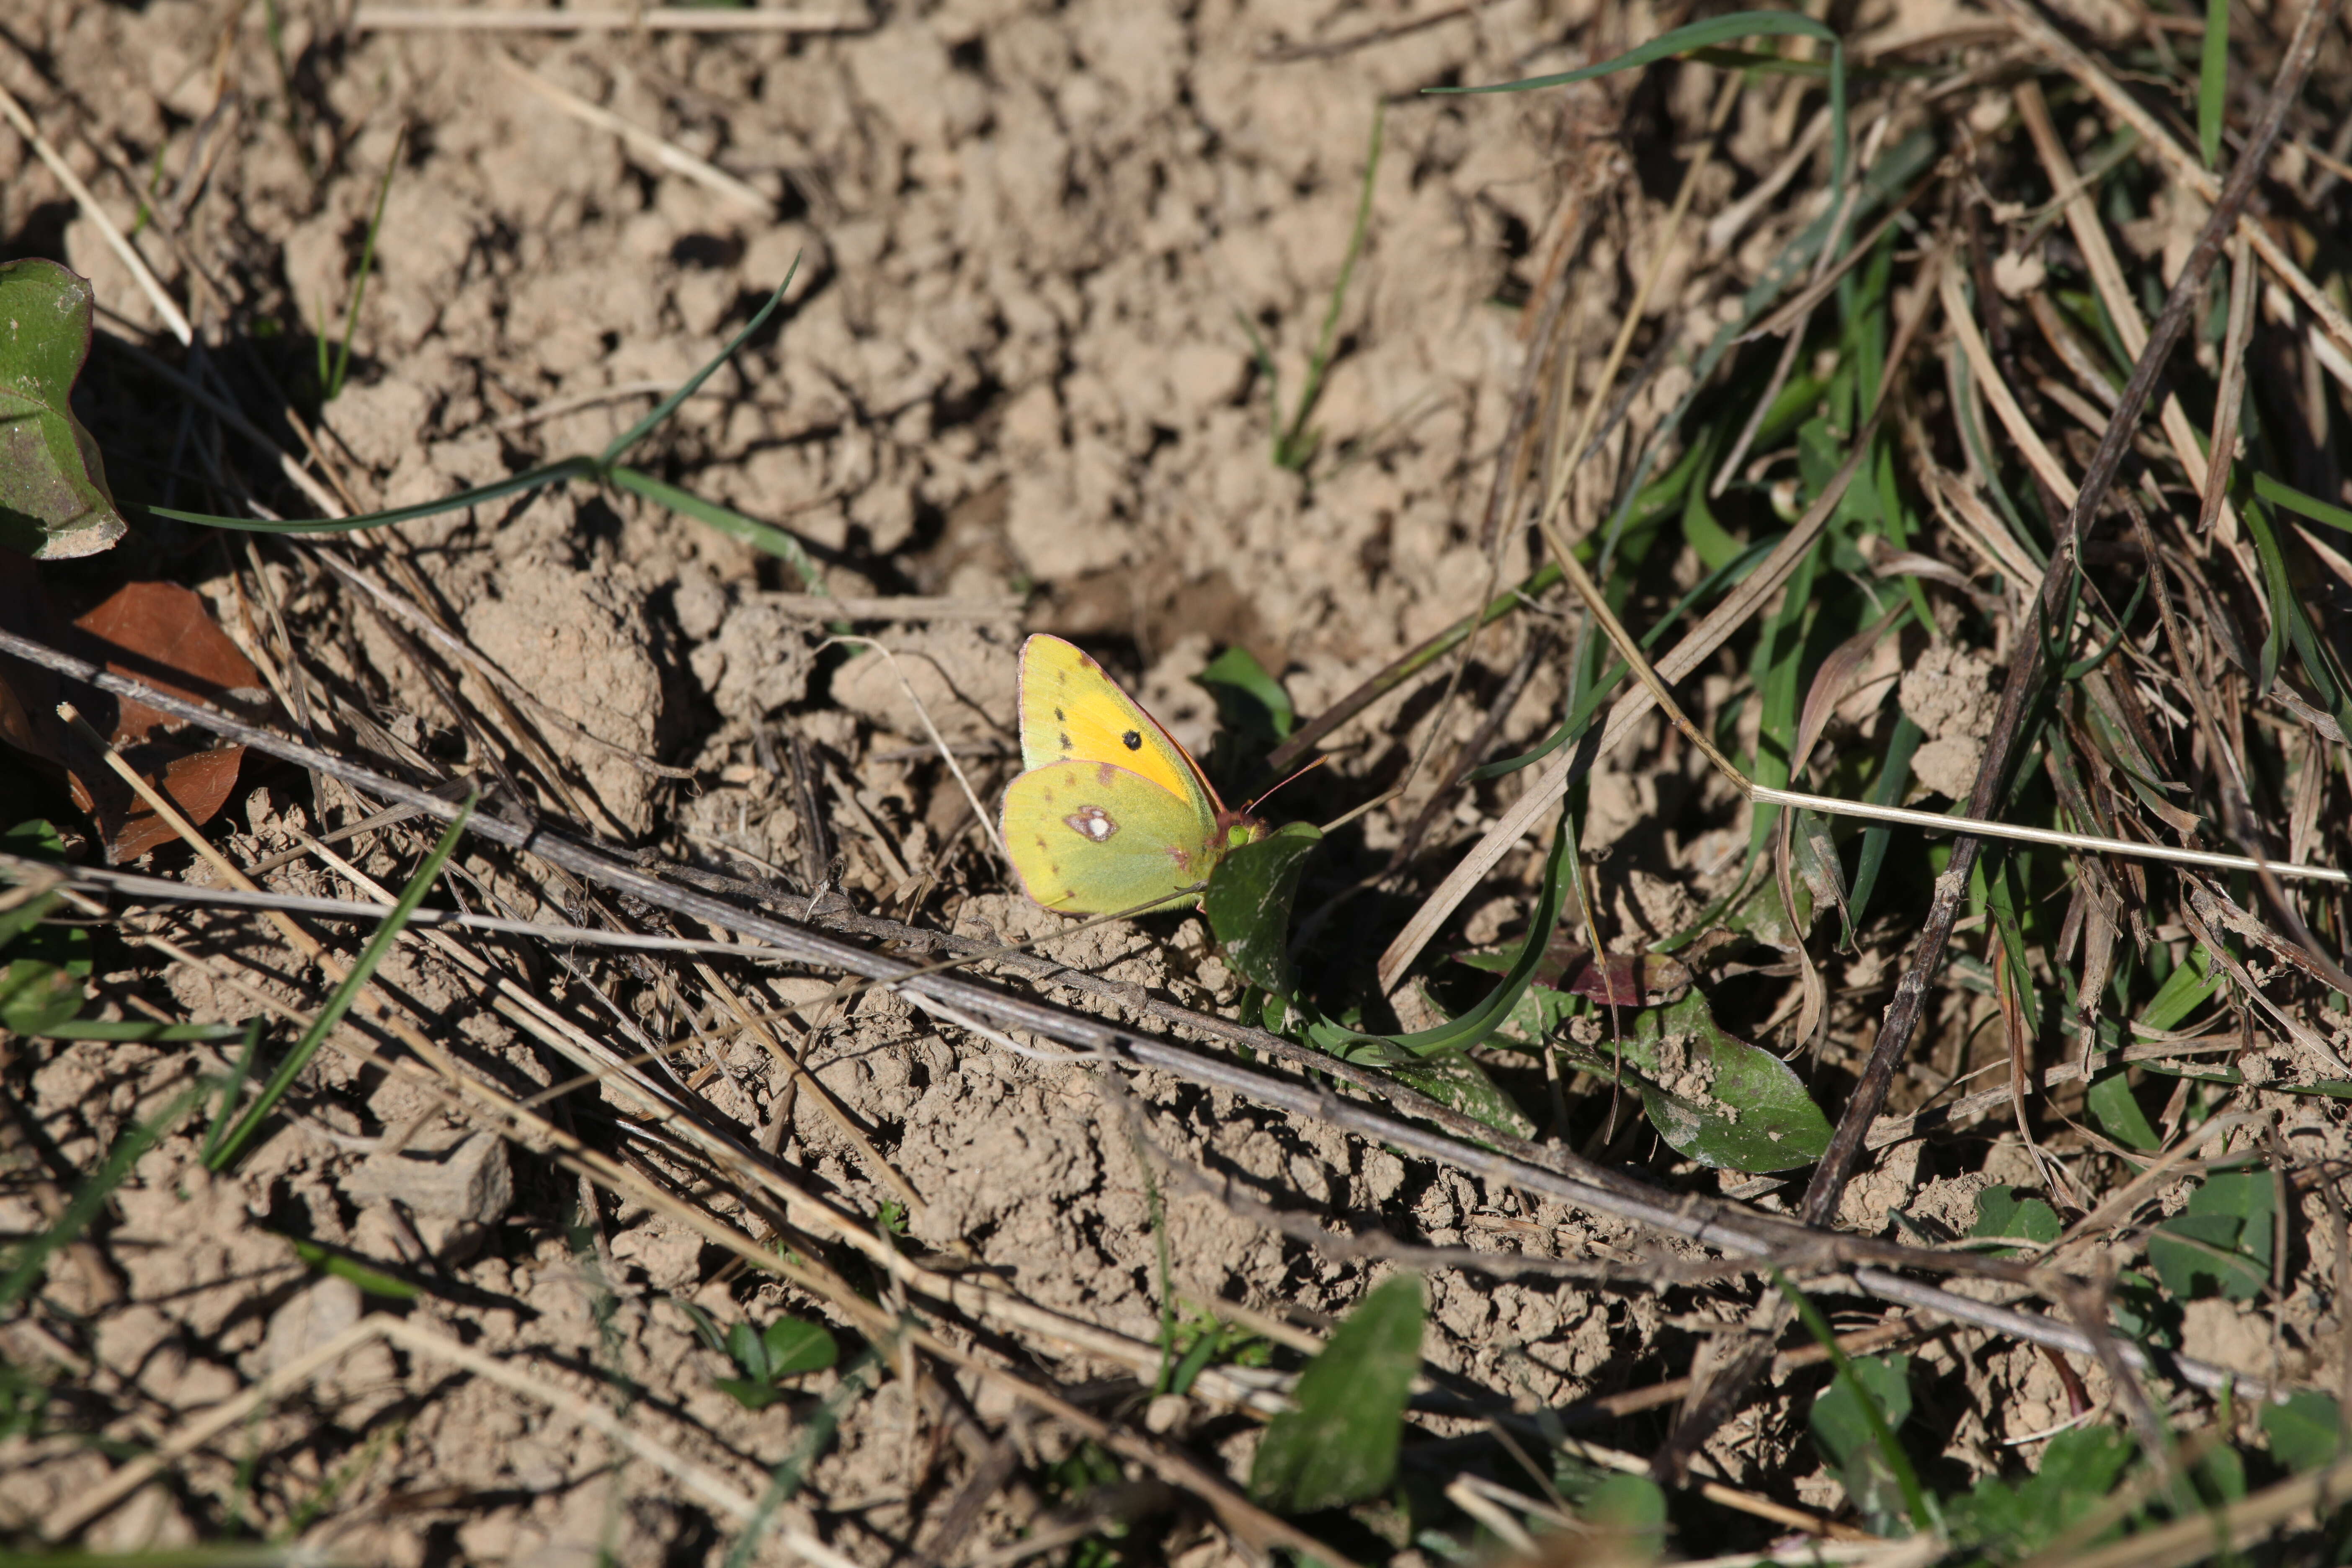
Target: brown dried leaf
(159, 633)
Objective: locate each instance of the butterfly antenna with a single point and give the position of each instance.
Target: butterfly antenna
(1249, 807)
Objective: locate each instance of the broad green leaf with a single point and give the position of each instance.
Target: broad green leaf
(1714, 1097)
(1340, 1446)
(2007, 1520)
(1762, 915)
(747, 1351)
(2001, 1212)
(2117, 1110)
(1248, 903)
(2306, 1432)
(1456, 1081)
(794, 1347)
(751, 1394)
(2221, 1474)
(54, 501)
(2144, 1313)
(1632, 1506)
(2183, 992)
(2222, 1243)
(1250, 701)
(786, 1348)
(36, 997)
(1853, 1444)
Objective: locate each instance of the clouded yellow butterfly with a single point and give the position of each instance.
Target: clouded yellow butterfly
(1111, 813)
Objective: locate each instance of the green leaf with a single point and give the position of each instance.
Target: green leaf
(2117, 1110)
(1710, 1094)
(750, 1393)
(2008, 1519)
(1630, 1505)
(747, 1351)
(2213, 81)
(1340, 1446)
(794, 1346)
(2144, 1312)
(1456, 1081)
(2221, 1244)
(1248, 903)
(2306, 1433)
(54, 501)
(1851, 1442)
(138, 1029)
(2001, 1212)
(788, 1347)
(1249, 700)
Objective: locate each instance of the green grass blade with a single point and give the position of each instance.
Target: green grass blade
(764, 536)
(668, 406)
(1715, 31)
(1459, 1034)
(379, 946)
(94, 1193)
(552, 473)
(1916, 1501)
(1267, 368)
(1296, 447)
(2213, 81)
(331, 386)
(233, 1092)
(1887, 789)
(1727, 575)
(140, 1030)
(784, 1482)
(2294, 501)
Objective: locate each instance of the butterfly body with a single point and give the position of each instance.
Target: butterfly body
(1110, 813)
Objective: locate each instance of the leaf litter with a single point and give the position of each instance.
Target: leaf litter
(1024, 239)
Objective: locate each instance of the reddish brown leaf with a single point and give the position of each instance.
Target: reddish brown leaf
(198, 782)
(1621, 979)
(155, 632)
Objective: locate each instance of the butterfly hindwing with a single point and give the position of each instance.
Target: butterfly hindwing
(1092, 837)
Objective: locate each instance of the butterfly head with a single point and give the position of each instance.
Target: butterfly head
(1237, 828)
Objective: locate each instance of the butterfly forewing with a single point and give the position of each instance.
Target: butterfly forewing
(1072, 711)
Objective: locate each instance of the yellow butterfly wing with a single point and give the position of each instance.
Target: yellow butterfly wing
(1072, 711)
(1092, 838)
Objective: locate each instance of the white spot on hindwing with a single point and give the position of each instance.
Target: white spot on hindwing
(1092, 821)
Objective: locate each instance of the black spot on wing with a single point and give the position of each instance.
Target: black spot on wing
(1131, 741)
(1060, 717)
(1065, 740)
